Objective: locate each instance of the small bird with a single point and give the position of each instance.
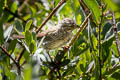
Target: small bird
(58, 36)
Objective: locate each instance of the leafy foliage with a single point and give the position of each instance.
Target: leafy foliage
(94, 55)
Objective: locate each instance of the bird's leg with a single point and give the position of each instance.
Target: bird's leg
(65, 47)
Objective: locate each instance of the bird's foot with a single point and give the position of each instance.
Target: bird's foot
(65, 47)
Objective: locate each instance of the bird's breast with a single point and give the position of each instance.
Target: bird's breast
(56, 39)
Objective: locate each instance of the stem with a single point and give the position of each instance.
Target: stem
(84, 7)
(82, 27)
(6, 52)
(99, 43)
(115, 32)
(20, 56)
(59, 77)
(99, 52)
(16, 15)
(50, 15)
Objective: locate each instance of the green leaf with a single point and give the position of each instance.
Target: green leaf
(56, 2)
(0, 75)
(69, 71)
(2, 4)
(28, 24)
(12, 46)
(27, 73)
(18, 26)
(59, 56)
(65, 62)
(115, 50)
(28, 37)
(111, 72)
(34, 36)
(92, 39)
(82, 13)
(105, 51)
(111, 5)
(76, 10)
(110, 78)
(117, 14)
(66, 9)
(26, 56)
(33, 11)
(32, 46)
(105, 29)
(8, 32)
(94, 7)
(14, 7)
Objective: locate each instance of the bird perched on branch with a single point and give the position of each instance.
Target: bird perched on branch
(58, 36)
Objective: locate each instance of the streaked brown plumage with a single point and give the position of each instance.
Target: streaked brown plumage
(58, 36)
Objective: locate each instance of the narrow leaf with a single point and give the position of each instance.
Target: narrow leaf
(111, 5)
(28, 37)
(2, 4)
(18, 26)
(76, 9)
(7, 32)
(28, 24)
(14, 7)
(93, 5)
(33, 46)
(65, 62)
(12, 46)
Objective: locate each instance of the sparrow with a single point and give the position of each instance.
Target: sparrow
(56, 37)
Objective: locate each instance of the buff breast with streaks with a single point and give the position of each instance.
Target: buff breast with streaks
(57, 36)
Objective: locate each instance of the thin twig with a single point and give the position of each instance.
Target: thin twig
(17, 64)
(84, 7)
(16, 15)
(59, 77)
(50, 15)
(23, 5)
(99, 43)
(115, 32)
(6, 52)
(20, 56)
(99, 51)
(82, 27)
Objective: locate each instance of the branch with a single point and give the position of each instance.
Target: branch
(6, 52)
(115, 32)
(84, 7)
(99, 44)
(21, 54)
(50, 15)
(16, 15)
(82, 27)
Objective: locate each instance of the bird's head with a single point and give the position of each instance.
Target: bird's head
(68, 24)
